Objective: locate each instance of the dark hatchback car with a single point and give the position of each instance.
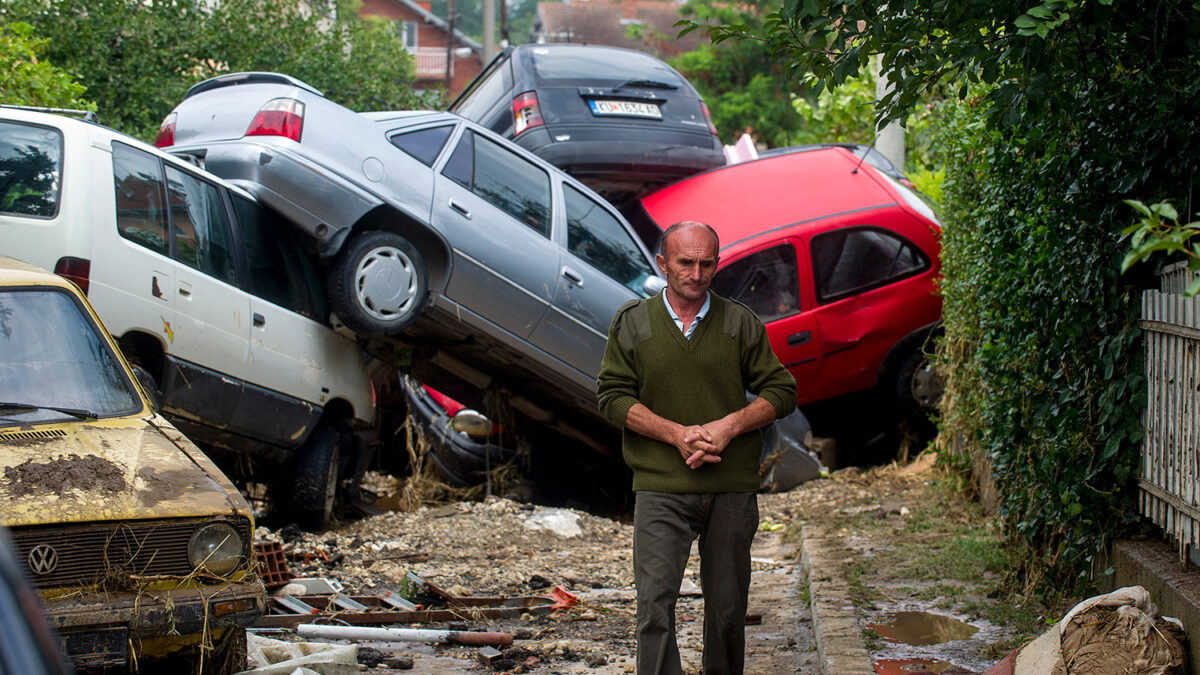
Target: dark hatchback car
(616, 119)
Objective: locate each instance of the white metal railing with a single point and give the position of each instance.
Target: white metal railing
(1170, 480)
(431, 62)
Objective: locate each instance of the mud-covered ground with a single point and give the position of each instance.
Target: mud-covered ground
(896, 523)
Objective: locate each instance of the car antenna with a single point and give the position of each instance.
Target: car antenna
(864, 155)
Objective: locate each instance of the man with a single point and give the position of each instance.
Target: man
(675, 376)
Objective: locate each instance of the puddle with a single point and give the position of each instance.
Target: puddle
(923, 628)
(910, 666)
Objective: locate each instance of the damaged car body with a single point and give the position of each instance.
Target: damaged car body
(139, 547)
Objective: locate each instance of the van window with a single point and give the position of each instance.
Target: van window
(765, 281)
(855, 260)
(279, 271)
(595, 235)
(141, 198)
(30, 169)
(203, 240)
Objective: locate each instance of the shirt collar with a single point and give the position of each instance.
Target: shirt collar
(699, 316)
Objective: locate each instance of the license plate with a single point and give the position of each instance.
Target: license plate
(626, 108)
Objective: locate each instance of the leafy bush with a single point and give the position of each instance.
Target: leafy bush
(31, 80)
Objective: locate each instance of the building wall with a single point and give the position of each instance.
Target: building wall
(429, 36)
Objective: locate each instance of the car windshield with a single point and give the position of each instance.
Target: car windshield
(54, 365)
(603, 67)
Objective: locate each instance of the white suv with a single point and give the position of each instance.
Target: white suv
(205, 290)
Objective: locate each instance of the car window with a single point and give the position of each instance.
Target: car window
(601, 66)
(30, 169)
(476, 102)
(765, 281)
(279, 271)
(53, 356)
(424, 144)
(596, 236)
(854, 260)
(203, 239)
(510, 182)
(140, 198)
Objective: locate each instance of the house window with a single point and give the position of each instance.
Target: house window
(407, 32)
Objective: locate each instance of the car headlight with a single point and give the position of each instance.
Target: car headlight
(472, 423)
(217, 548)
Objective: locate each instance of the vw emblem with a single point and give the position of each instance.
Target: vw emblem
(43, 559)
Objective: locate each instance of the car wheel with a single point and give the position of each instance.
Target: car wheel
(315, 491)
(377, 284)
(919, 383)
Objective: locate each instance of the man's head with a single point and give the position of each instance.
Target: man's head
(688, 255)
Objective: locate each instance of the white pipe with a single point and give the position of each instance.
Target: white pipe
(403, 635)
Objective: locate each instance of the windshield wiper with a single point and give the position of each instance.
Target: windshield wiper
(646, 83)
(77, 413)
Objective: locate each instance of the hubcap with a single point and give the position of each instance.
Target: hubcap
(927, 385)
(386, 283)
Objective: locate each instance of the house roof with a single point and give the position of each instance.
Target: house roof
(439, 22)
(600, 22)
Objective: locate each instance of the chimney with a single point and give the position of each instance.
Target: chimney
(629, 9)
(426, 5)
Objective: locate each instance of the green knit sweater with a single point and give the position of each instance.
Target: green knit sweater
(690, 381)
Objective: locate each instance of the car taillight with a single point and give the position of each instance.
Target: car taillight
(526, 113)
(76, 270)
(279, 117)
(166, 132)
(712, 128)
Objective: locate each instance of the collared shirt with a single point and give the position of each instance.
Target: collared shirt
(695, 322)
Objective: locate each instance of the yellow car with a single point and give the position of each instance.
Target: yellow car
(139, 546)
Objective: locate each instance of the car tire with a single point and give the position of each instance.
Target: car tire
(315, 491)
(377, 284)
(918, 385)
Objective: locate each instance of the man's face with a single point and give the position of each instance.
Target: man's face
(689, 261)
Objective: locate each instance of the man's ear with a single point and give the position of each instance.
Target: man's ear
(662, 262)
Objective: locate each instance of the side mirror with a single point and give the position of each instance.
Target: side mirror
(652, 285)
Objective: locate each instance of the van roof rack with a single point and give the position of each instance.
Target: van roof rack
(86, 115)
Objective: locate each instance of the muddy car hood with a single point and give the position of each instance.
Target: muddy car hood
(123, 469)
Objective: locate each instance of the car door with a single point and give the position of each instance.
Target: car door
(286, 379)
(862, 279)
(133, 276)
(602, 268)
(768, 281)
(495, 208)
(212, 316)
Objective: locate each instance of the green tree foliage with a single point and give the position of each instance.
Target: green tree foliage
(1063, 109)
(30, 80)
(137, 59)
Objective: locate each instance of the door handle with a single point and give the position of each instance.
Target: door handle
(460, 208)
(259, 320)
(572, 277)
(185, 289)
(797, 339)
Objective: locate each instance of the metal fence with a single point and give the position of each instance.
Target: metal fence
(1170, 489)
(431, 62)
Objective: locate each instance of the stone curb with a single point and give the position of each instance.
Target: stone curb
(841, 648)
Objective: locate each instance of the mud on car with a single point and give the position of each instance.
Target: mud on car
(139, 546)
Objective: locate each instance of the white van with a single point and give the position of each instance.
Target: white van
(207, 293)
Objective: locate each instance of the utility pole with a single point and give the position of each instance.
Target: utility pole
(449, 47)
(489, 29)
(504, 23)
(889, 139)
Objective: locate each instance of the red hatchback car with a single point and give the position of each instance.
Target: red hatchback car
(839, 260)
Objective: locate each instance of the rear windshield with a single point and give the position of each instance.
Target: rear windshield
(30, 169)
(601, 66)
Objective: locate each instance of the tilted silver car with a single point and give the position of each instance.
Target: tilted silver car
(493, 264)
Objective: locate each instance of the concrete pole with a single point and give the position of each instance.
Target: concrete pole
(449, 48)
(489, 30)
(889, 139)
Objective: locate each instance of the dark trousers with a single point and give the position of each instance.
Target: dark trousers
(664, 526)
